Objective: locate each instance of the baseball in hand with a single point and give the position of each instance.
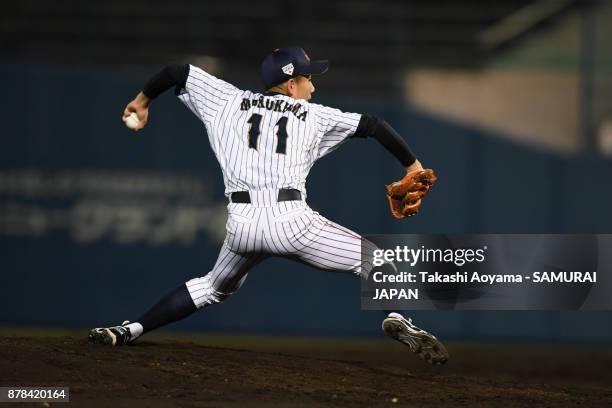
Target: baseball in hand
(132, 121)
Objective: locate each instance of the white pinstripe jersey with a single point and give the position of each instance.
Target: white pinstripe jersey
(263, 142)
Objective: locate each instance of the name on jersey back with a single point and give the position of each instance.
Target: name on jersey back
(275, 105)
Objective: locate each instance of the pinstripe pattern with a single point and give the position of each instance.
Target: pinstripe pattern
(226, 277)
(251, 160)
(314, 130)
(288, 229)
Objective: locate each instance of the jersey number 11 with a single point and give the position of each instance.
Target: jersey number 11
(281, 133)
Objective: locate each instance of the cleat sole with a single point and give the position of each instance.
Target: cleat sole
(420, 342)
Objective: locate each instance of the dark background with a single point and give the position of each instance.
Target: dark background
(69, 69)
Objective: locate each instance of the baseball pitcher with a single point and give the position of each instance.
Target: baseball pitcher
(266, 144)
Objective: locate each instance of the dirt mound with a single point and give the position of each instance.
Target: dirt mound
(180, 374)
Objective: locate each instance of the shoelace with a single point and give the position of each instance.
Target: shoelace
(123, 334)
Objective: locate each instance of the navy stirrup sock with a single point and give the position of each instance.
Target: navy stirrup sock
(175, 306)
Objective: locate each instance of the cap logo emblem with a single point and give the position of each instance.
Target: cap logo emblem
(288, 69)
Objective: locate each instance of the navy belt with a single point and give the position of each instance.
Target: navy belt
(284, 194)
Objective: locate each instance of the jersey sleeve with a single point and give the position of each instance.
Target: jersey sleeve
(334, 127)
(205, 94)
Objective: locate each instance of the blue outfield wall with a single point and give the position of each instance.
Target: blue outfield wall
(57, 119)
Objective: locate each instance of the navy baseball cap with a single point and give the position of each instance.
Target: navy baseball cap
(286, 63)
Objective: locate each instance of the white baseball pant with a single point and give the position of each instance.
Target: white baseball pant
(289, 229)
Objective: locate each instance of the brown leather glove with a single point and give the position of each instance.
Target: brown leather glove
(405, 195)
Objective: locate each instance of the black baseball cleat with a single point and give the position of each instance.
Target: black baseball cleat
(420, 342)
(110, 336)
